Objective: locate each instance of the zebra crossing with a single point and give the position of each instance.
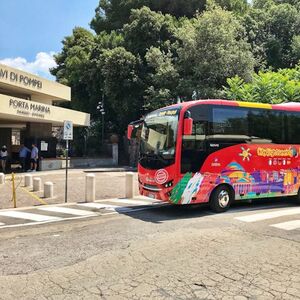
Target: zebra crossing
(58, 213)
(279, 218)
(273, 217)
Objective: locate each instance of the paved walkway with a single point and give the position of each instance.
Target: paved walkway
(110, 183)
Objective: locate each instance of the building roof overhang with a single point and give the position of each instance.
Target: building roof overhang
(17, 81)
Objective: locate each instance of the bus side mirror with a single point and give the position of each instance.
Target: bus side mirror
(129, 131)
(188, 126)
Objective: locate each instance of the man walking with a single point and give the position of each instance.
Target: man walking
(34, 157)
(23, 154)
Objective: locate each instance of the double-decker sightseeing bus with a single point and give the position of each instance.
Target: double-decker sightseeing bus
(218, 151)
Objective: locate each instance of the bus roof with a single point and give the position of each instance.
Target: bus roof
(290, 106)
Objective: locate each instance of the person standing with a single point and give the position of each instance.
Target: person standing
(34, 157)
(23, 154)
(3, 156)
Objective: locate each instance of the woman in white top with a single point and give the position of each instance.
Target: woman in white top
(3, 157)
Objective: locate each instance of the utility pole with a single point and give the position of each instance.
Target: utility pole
(100, 108)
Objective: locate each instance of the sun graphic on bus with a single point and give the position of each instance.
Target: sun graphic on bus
(245, 154)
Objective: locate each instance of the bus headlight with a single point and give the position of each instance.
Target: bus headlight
(169, 184)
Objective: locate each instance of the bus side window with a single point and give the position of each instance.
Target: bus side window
(267, 124)
(293, 128)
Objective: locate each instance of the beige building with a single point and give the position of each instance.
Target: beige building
(28, 111)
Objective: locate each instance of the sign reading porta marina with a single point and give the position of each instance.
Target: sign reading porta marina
(20, 78)
(29, 108)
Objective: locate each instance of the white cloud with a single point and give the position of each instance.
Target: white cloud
(40, 66)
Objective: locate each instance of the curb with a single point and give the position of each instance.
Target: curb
(70, 203)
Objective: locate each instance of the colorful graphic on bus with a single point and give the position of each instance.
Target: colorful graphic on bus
(235, 151)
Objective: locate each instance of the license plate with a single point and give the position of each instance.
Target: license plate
(151, 196)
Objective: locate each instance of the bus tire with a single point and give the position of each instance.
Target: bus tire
(297, 197)
(221, 198)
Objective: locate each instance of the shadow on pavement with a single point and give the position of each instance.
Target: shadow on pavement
(176, 212)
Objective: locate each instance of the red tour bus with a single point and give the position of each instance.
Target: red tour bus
(218, 151)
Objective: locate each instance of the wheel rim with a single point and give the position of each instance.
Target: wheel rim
(223, 198)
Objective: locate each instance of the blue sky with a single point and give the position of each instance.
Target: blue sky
(32, 30)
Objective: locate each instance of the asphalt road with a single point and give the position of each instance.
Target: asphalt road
(155, 252)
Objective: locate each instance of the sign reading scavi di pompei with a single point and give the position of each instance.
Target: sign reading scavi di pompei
(20, 78)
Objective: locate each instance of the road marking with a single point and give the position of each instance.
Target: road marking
(35, 196)
(290, 225)
(28, 216)
(128, 201)
(269, 215)
(106, 206)
(66, 210)
(44, 219)
(44, 222)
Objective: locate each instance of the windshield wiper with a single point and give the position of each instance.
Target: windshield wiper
(154, 156)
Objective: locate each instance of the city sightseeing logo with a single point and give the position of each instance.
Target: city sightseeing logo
(245, 154)
(269, 152)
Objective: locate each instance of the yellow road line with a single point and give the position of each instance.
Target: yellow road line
(35, 196)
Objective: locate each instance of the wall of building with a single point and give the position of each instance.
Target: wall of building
(5, 138)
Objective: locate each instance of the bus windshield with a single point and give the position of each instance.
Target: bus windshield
(158, 138)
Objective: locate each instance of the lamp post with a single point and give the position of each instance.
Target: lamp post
(100, 108)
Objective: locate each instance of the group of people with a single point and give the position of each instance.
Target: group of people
(24, 155)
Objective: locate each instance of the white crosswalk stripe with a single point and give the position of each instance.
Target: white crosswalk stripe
(66, 210)
(278, 213)
(290, 225)
(132, 202)
(56, 213)
(269, 215)
(105, 206)
(28, 216)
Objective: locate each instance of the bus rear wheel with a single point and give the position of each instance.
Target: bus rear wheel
(221, 199)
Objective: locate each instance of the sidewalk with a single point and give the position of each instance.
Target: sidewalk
(110, 183)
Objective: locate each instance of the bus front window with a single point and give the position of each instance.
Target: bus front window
(158, 139)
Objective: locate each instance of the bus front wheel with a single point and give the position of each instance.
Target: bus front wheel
(221, 198)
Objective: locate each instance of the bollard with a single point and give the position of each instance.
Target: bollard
(2, 178)
(136, 189)
(90, 188)
(48, 189)
(129, 188)
(37, 184)
(28, 180)
(14, 190)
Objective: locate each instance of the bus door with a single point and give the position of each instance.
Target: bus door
(194, 146)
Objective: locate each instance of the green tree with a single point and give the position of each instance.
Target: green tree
(113, 14)
(238, 6)
(147, 29)
(213, 49)
(267, 87)
(122, 86)
(72, 64)
(162, 79)
(271, 28)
